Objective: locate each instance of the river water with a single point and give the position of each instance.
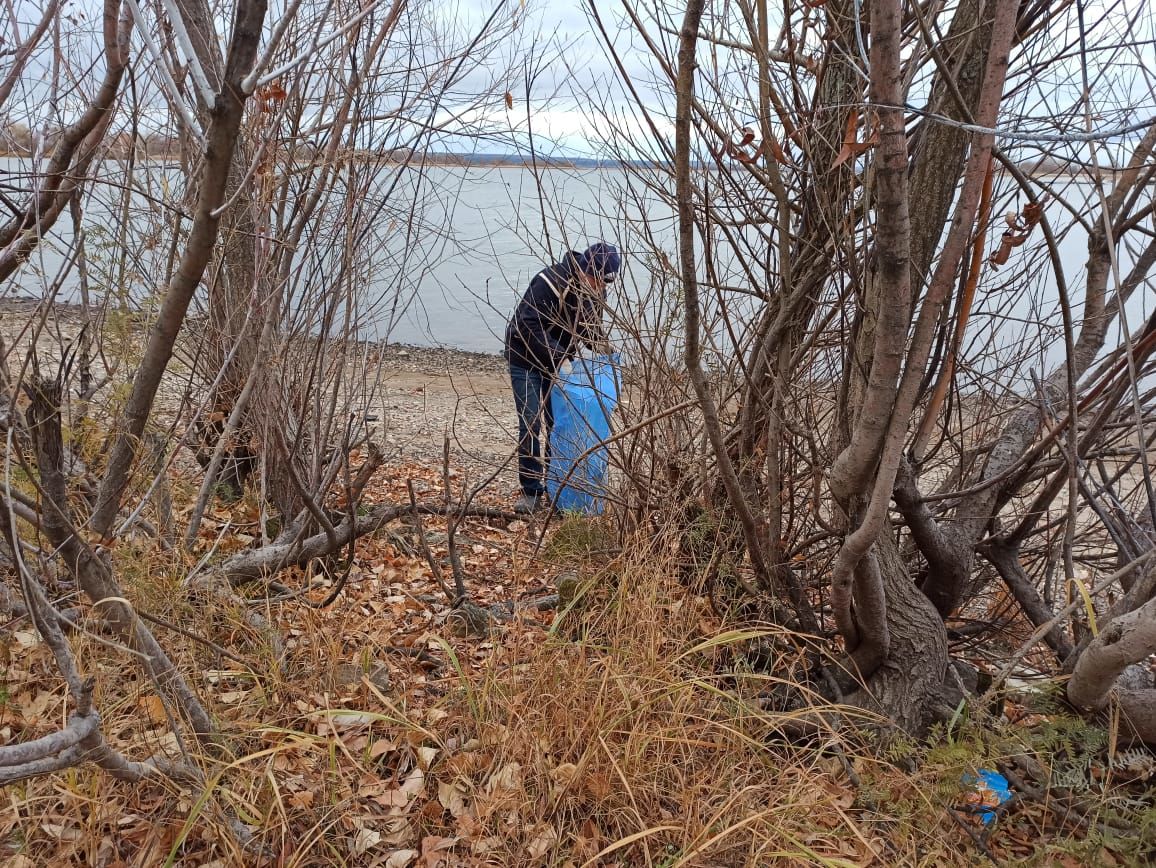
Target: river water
(493, 228)
(484, 233)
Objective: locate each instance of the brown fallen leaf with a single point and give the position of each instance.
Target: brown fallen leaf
(452, 796)
(154, 708)
(542, 842)
(400, 859)
(381, 747)
(365, 840)
(589, 840)
(508, 777)
(426, 755)
(302, 800)
(432, 849)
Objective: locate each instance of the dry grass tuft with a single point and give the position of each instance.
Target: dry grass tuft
(623, 731)
(621, 745)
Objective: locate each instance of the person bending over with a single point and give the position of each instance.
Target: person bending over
(560, 310)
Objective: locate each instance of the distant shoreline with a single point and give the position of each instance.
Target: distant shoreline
(465, 161)
(1044, 172)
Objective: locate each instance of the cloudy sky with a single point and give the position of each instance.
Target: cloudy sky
(576, 84)
(555, 45)
(566, 92)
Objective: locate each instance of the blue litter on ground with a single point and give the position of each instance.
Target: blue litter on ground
(993, 790)
(583, 400)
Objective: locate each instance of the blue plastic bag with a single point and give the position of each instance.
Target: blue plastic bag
(990, 790)
(583, 400)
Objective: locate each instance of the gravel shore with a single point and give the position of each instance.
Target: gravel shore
(424, 394)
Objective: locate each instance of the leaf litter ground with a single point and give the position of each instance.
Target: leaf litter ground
(385, 737)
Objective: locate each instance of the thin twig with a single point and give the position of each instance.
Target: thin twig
(453, 519)
(217, 649)
(978, 841)
(434, 566)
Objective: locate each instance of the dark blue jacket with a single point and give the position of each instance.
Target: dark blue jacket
(553, 317)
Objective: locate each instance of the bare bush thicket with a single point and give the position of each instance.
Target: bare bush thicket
(227, 180)
(883, 402)
(855, 409)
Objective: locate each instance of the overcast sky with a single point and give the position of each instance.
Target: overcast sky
(578, 83)
(574, 80)
(577, 94)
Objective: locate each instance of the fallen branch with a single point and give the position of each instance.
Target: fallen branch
(418, 654)
(1043, 629)
(259, 564)
(81, 739)
(976, 839)
(89, 567)
(26, 753)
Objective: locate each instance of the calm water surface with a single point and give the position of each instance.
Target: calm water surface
(492, 229)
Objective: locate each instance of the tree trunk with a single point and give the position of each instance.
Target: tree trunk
(906, 685)
(1125, 640)
(221, 138)
(239, 293)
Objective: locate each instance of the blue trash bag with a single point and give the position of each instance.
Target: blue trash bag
(583, 400)
(990, 790)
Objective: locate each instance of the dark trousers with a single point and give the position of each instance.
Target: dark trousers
(535, 419)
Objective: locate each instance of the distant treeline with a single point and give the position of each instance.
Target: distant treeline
(16, 140)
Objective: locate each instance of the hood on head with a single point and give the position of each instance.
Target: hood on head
(599, 260)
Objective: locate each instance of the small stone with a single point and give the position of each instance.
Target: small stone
(344, 675)
(379, 676)
(567, 584)
(469, 619)
(350, 674)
